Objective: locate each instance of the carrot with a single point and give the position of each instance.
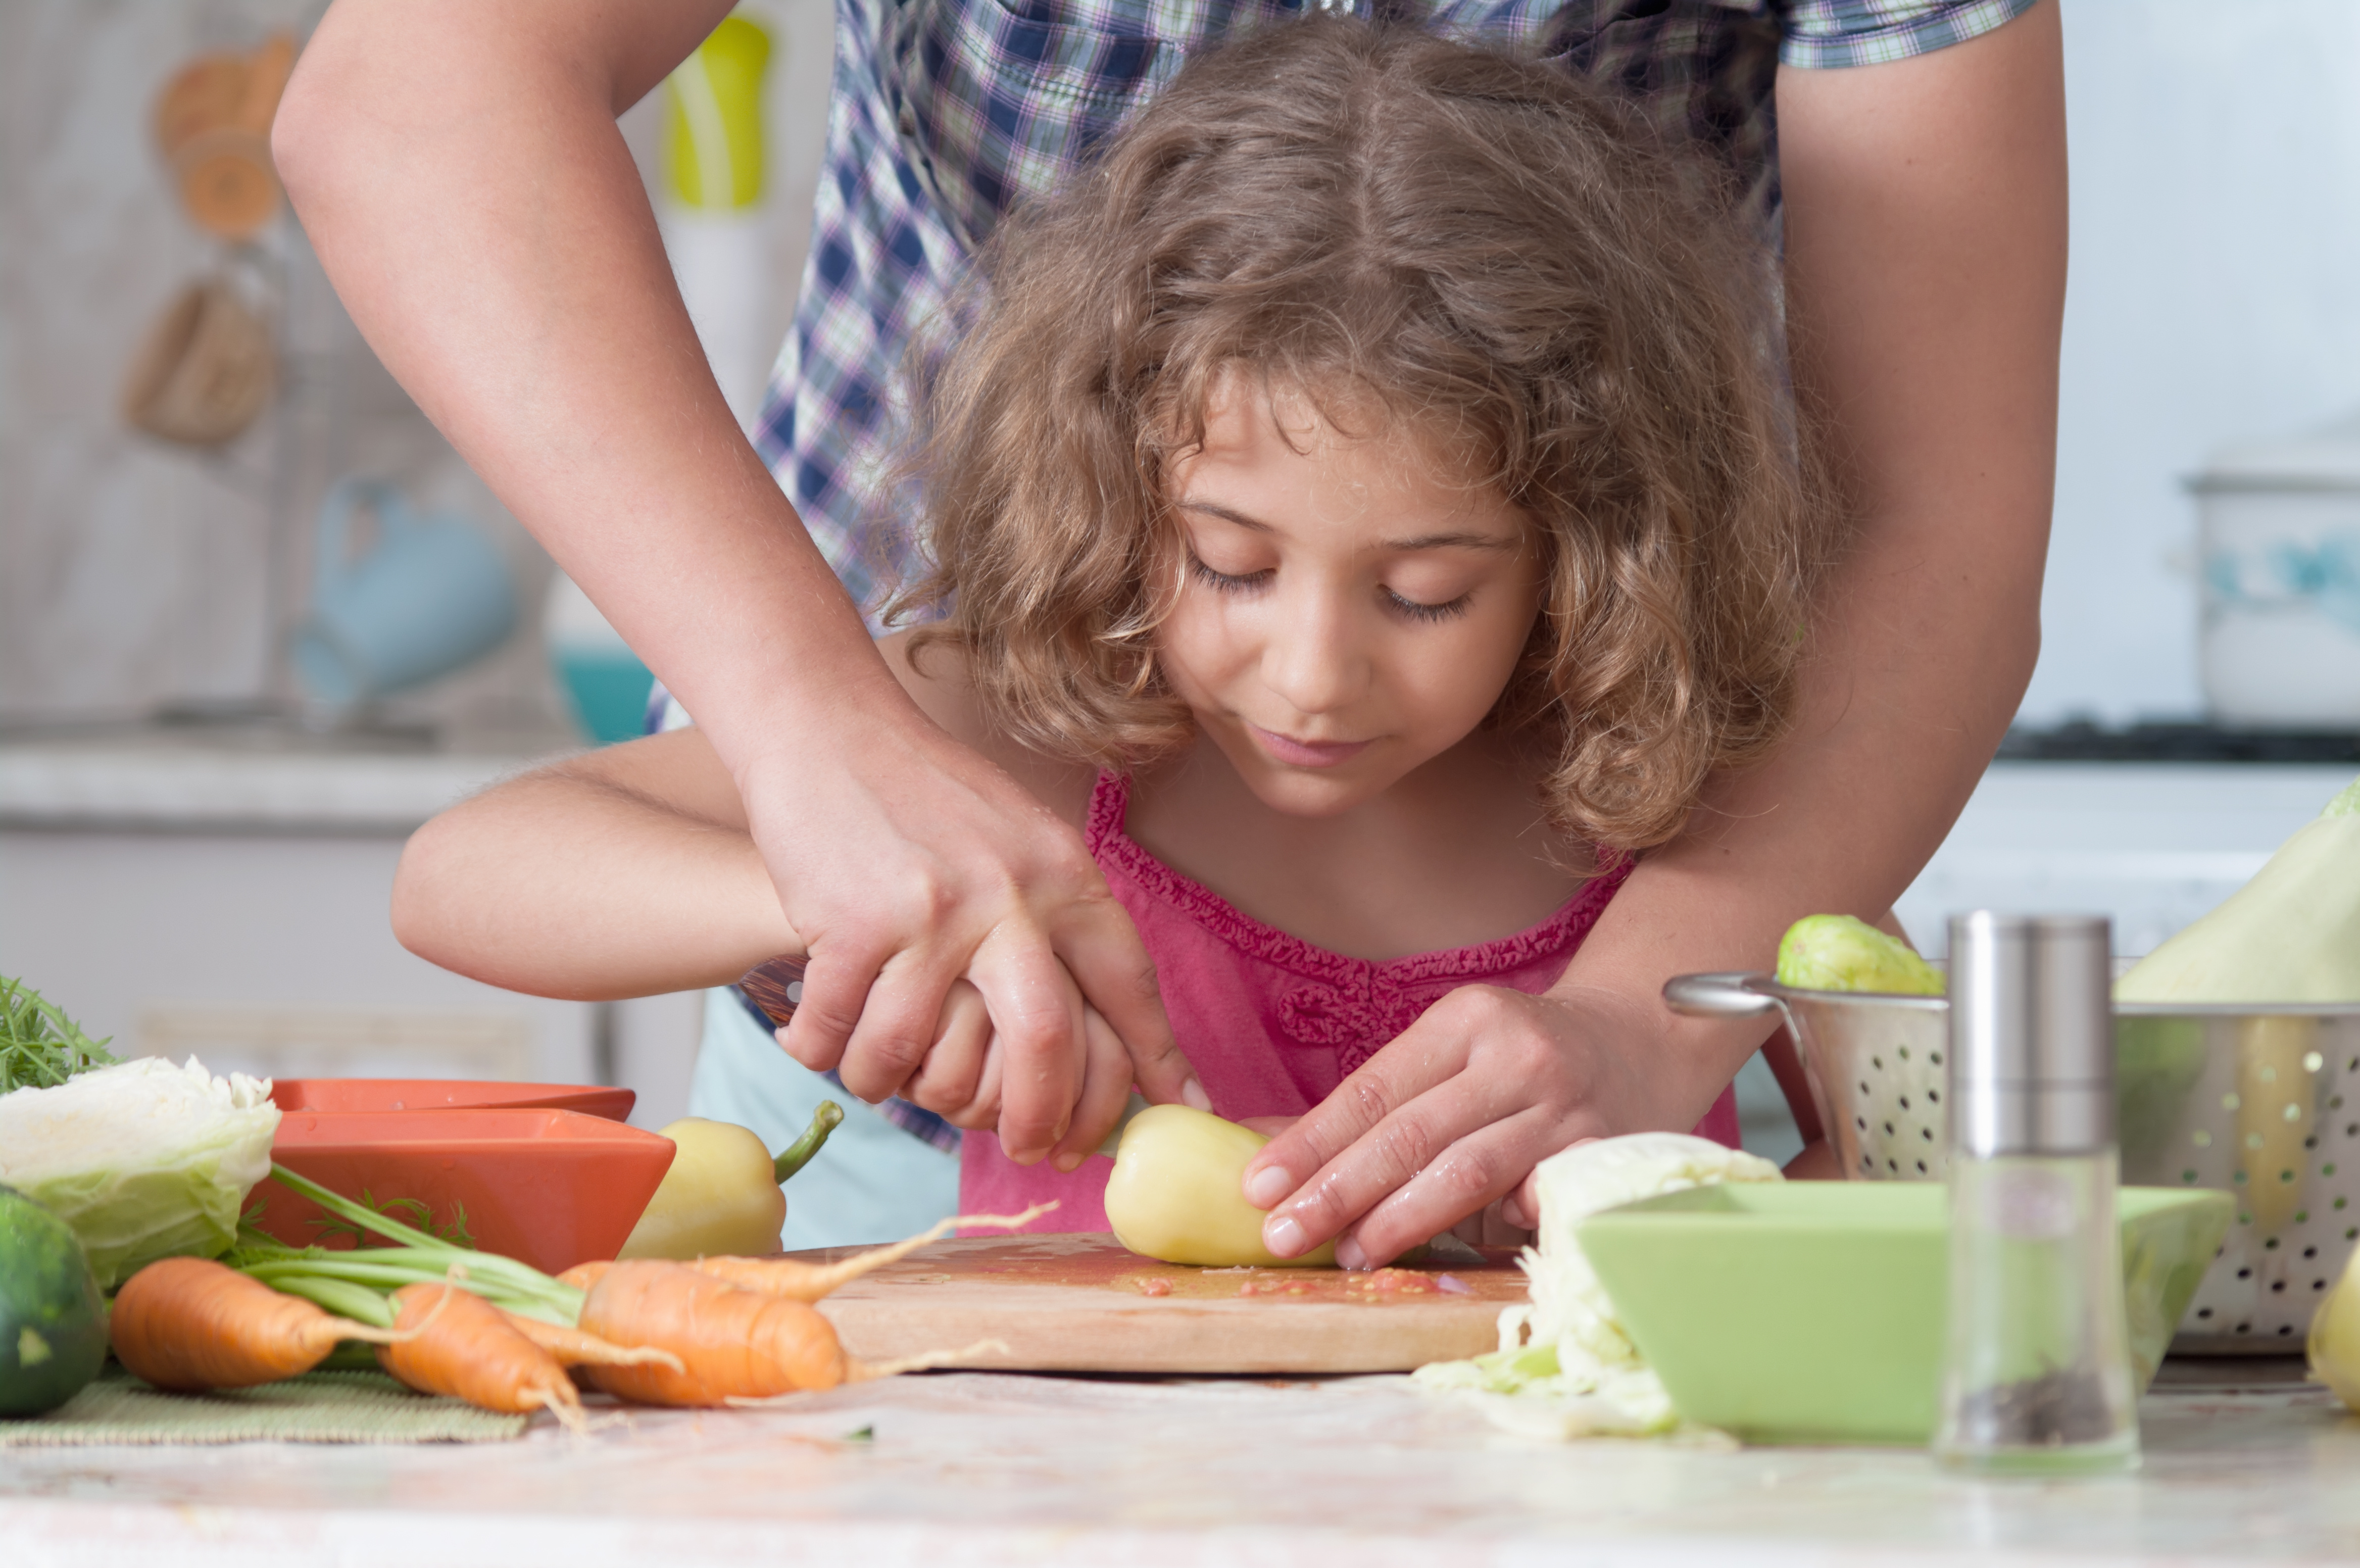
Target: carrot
(571, 1347)
(583, 1275)
(800, 1281)
(461, 1345)
(731, 1343)
(189, 1323)
(742, 1328)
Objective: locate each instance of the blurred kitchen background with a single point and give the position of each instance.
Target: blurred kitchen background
(211, 748)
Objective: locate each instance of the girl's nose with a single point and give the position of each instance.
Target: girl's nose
(1312, 658)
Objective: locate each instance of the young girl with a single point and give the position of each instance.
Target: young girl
(1365, 505)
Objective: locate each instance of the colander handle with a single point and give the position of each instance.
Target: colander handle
(1730, 994)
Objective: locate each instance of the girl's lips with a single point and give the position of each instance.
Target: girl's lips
(1307, 753)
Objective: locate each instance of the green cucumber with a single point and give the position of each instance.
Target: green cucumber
(52, 1318)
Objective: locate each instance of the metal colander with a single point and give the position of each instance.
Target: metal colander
(2259, 1102)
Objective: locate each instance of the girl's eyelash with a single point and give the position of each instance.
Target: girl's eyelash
(1416, 611)
(1222, 582)
(1225, 583)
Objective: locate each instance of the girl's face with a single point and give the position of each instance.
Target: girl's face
(1347, 610)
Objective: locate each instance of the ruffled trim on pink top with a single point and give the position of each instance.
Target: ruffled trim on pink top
(1560, 933)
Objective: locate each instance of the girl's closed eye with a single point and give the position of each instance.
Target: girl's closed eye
(1228, 582)
(1416, 609)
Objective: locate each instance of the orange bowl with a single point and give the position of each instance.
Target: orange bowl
(548, 1187)
(446, 1094)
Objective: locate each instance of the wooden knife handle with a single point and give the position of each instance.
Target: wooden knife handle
(775, 986)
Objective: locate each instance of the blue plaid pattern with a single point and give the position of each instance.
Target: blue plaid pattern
(945, 113)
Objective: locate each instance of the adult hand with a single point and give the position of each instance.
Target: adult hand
(906, 862)
(962, 1077)
(1448, 1119)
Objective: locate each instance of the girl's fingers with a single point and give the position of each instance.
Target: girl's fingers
(947, 1080)
(1037, 1015)
(1475, 1172)
(1423, 1148)
(1425, 1055)
(982, 1112)
(1105, 1090)
(1100, 948)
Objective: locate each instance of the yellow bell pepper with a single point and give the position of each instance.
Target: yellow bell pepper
(2335, 1339)
(721, 1197)
(1176, 1196)
(2277, 1106)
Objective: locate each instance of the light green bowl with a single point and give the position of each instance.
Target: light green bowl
(1812, 1311)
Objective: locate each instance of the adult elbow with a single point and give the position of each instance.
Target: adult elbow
(311, 135)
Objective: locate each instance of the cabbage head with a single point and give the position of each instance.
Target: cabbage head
(143, 1161)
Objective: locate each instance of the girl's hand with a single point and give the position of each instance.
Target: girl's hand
(961, 1075)
(1445, 1123)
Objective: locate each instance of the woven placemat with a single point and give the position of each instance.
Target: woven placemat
(318, 1407)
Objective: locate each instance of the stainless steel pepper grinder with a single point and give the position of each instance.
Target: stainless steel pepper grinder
(2036, 1374)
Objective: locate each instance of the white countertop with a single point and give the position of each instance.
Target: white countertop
(973, 1469)
(160, 780)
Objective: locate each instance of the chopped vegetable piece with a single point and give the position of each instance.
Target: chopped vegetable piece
(1837, 952)
(1578, 1373)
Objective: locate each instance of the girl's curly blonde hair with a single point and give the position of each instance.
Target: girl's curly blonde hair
(1501, 256)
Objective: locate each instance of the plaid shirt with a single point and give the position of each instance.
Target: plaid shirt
(945, 112)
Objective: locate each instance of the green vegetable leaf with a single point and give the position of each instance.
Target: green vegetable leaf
(413, 1211)
(40, 1047)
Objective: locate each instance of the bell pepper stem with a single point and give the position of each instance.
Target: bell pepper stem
(797, 1155)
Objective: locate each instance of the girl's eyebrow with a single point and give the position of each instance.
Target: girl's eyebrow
(1452, 541)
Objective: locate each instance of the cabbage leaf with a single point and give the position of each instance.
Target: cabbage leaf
(144, 1159)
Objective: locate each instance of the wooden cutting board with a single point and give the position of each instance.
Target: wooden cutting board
(1084, 1303)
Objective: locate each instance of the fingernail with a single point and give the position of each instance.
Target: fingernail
(1282, 1235)
(1193, 1095)
(1067, 1161)
(1349, 1254)
(1267, 1185)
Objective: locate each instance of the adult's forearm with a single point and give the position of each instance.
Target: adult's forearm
(459, 170)
(1925, 286)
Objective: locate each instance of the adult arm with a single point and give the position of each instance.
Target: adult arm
(1925, 279)
(458, 169)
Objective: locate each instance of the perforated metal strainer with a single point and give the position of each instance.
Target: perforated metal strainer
(2262, 1103)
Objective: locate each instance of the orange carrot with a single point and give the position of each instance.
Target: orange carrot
(800, 1281)
(460, 1344)
(732, 1343)
(575, 1348)
(583, 1275)
(189, 1323)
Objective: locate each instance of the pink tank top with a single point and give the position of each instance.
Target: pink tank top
(1270, 1023)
